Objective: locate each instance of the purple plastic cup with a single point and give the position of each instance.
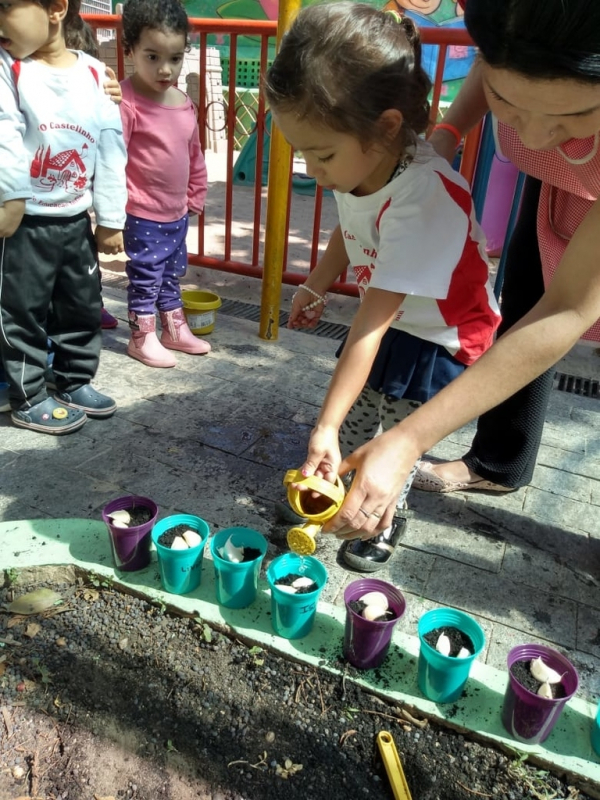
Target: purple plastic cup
(366, 642)
(525, 715)
(130, 546)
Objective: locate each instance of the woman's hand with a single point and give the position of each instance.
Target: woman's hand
(381, 468)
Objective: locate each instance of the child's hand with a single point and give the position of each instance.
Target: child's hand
(324, 455)
(112, 87)
(11, 214)
(300, 315)
(108, 240)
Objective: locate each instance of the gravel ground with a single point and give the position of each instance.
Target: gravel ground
(107, 696)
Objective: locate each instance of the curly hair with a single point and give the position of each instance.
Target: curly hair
(341, 65)
(161, 15)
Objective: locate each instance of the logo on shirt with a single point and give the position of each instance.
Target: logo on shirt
(65, 170)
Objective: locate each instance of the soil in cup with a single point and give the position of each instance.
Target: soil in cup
(288, 580)
(521, 671)
(358, 606)
(458, 639)
(167, 538)
(251, 554)
(138, 515)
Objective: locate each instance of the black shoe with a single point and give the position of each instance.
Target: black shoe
(373, 554)
(287, 514)
(87, 399)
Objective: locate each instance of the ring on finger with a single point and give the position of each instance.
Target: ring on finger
(366, 513)
(375, 514)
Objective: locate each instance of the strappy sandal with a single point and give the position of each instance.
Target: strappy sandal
(427, 480)
(49, 417)
(373, 554)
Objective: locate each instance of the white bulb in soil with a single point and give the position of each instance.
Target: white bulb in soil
(121, 516)
(179, 543)
(376, 599)
(443, 645)
(374, 611)
(229, 552)
(543, 673)
(545, 690)
(116, 523)
(302, 583)
(463, 653)
(192, 538)
(287, 589)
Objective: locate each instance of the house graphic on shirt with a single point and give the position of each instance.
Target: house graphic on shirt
(66, 169)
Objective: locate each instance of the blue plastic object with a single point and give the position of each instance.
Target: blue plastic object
(180, 570)
(237, 583)
(442, 678)
(293, 615)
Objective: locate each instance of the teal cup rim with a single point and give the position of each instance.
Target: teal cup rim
(438, 618)
(293, 558)
(218, 540)
(195, 523)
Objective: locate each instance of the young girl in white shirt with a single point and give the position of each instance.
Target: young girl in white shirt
(347, 90)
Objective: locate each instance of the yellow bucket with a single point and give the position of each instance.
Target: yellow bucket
(200, 309)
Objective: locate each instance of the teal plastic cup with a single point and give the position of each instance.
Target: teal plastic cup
(596, 733)
(293, 615)
(442, 678)
(237, 583)
(180, 570)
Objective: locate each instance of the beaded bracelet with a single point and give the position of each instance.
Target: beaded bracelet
(320, 298)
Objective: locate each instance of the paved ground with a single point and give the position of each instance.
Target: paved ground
(214, 436)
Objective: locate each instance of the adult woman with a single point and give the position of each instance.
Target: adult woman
(539, 73)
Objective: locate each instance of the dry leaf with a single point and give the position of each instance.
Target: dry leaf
(61, 641)
(91, 595)
(3, 666)
(32, 629)
(98, 797)
(16, 620)
(34, 602)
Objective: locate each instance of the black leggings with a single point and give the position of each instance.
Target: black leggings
(508, 437)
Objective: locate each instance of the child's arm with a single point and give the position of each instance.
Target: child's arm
(375, 315)
(15, 183)
(198, 182)
(112, 87)
(331, 265)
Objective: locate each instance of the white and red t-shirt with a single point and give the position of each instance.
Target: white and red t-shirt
(418, 236)
(61, 140)
(570, 176)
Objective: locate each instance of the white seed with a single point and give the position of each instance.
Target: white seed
(375, 598)
(545, 690)
(179, 544)
(302, 583)
(192, 538)
(463, 653)
(374, 611)
(116, 523)
(287, 589)
(543, 673)
(122, 516)
(18, 772)
(443, 645)
(230, 552)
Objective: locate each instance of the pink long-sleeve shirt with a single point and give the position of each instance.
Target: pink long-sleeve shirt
(166, 172)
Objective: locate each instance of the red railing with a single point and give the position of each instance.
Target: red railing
(266, 32)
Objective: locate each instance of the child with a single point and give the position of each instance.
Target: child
(347, 89)
(61, 151)
(82, 36)
(166, 179)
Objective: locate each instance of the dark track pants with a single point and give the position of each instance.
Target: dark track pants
(508, 437)
(49, 288)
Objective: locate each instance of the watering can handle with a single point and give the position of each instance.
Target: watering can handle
(315, 484)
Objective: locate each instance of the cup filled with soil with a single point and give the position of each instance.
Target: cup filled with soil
(296, 583)
(179, 541)
(596, 732)
(130, 520)
(373, 607)
(237, 555)
(540, 683)
(450, 641)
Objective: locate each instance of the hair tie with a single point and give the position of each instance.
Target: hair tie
(393, 13)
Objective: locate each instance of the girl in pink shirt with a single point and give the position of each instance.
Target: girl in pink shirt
(166, 179)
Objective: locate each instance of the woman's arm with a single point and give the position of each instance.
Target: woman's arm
(570, 305)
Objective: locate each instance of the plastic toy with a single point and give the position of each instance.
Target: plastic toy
(315, 509)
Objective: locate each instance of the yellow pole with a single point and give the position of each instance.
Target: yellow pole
(277, 204)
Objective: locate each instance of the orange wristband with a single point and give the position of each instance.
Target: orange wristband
(445, 126)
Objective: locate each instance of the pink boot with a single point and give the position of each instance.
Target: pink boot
(176, 334)
(144, 344)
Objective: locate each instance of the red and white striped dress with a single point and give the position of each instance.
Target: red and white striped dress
(570, 176)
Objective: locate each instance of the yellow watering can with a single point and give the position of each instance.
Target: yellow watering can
(316, 510)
